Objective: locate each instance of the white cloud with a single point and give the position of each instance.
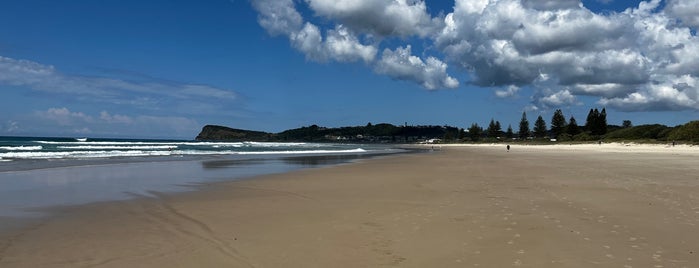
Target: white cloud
(630, 60)
(63, 121)
(340, 45)
(558, 99)
(685, 10)
(385, 18)
(551, 4)
(401, 64)
(278, 16)
(611, 56)
(116, 118)
(64, 117)
(675, 93)
(508, 92)
(146, 94)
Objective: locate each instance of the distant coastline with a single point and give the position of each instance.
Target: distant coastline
(392, 134)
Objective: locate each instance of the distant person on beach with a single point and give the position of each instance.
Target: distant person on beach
(508, 148)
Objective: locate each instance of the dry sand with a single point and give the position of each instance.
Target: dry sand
(476, 206)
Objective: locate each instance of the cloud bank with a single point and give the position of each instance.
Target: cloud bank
(146, 95)
(642, 59)
(63, 121)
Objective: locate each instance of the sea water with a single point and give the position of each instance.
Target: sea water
(36, 173)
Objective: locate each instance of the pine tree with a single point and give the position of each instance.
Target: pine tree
(593, 124)
(573, 128)
(596, 122)
(474, 132)
(509, 134)
(590, 122)
(498, 129)
(558, 123)
(492, 132)
(524, 127)
(540, 127)
(602, 122)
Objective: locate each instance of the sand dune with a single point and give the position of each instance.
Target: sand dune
(468, 206)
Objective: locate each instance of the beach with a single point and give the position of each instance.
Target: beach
(609, 205)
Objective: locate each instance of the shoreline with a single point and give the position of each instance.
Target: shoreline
(611, 147)
(33, 187)
(461, 206)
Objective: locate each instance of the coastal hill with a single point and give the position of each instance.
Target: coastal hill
(379, 133)
(221, 133)
(388, 133)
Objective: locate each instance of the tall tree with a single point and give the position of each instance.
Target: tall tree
(593, 122)
(498, 129)
(590, 122)
(602, 122)
(540, 127)
(509, 134)
(474, 132)
(558, 123)
(573, 128)
(492, 132)
(523, 126)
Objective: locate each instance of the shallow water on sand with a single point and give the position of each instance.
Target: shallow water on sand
(35, 186)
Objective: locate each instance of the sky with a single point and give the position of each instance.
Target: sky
(166, 68)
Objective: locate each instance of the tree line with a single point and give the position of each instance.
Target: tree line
(595, 126)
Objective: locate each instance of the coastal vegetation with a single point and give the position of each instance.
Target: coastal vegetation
(595, 129)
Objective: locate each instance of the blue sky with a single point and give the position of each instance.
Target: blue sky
(164, 69)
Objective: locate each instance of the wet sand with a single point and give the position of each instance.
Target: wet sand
(473, 206)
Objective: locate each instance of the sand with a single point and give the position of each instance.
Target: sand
(469, 206)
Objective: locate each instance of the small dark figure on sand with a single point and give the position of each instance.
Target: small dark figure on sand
(508, 147)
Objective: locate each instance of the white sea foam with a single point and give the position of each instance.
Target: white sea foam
(358, 150)
(117, 147)
(136, 153)
(188, 143)
(81, 154)
(21, 148)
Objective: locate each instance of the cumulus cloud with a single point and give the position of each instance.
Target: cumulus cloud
(340, 45)
(400, 64)
(278, 16)
(550, 4)
(384, 18)
(508, 92)
(687, 11)
(644, 58)
(557, 99)
(356, 24)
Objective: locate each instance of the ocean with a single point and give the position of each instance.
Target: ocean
(37, 173)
